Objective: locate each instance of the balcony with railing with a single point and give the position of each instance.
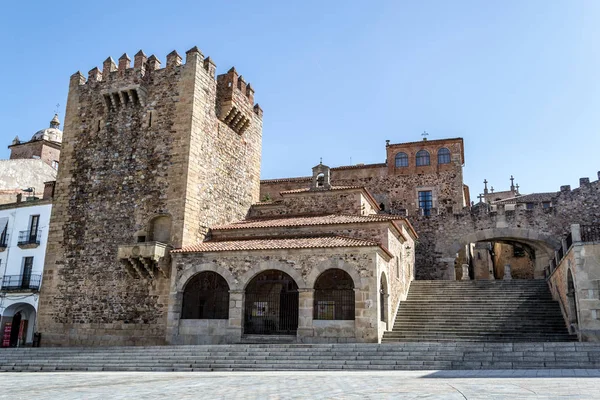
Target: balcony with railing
(21, 283)
(28, 239)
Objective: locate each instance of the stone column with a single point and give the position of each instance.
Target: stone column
(465, 273)
(305, 313)
(507, 275)
(576, 233)
(173, 316)
(236, 315)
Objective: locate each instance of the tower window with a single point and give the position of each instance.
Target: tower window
(426, 201)
(401, 160)
(423, 158)
(444, 156)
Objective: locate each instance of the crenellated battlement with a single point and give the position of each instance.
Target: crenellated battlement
(121, 84)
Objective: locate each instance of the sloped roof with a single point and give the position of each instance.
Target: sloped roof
(321, 191)
(277, 244)
(331, 219)
(529, 198)
(20, 174)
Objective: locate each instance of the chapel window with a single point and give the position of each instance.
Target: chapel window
(422, 158)
(444, 156)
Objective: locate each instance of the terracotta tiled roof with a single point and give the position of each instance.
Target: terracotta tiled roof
(359, 166)
(321, 191)
(268, 203)
(332, 219)
(268, 244)
(528, 198)
(298, 179)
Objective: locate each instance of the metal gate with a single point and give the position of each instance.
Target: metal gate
(271, 313)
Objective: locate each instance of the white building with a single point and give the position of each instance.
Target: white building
(23, 238)
(24, 220)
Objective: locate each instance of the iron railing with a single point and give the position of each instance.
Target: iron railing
(334, 304)
(590, 233)
(4, 240)
(21, 282)
(271, 313)
(206, 304)
(28, 237)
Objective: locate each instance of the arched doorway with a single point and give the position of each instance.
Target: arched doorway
(271, 304)
(571, 300)
(17, 324)
(16, 329)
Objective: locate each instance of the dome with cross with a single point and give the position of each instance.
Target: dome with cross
(52, 134)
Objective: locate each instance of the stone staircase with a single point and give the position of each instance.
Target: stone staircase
(244, 357)
(479, 311)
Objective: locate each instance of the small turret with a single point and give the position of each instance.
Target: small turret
(108, 66)
(173, 59)
(321, 177)
(153, 63)
(124, 63)
(139, 61)
(55, 123)
(94, 75)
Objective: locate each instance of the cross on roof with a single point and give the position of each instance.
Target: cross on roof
(424, 134)
(481, 197)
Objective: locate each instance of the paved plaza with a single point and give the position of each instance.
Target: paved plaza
(447, 385)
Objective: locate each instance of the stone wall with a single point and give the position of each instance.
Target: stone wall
(581, 306)
(139, 142)
(346, 201)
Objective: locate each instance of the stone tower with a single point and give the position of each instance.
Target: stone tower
(151, 158)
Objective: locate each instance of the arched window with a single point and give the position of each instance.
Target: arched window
(159, 229)
(321, 180)
(206, 296)
(334, 296)
(422, 158)
(444, 156)
(401, 160)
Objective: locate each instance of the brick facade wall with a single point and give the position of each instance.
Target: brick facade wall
(48, 152)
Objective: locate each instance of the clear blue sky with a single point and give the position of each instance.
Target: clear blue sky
(518, 80)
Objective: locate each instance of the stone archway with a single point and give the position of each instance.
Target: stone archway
(271, 304)
(542, 244)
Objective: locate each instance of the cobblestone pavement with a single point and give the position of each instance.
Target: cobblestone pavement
(447, 385)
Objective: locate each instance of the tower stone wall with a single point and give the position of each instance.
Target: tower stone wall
(140, 143)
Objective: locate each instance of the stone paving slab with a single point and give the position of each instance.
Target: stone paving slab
(448, 385)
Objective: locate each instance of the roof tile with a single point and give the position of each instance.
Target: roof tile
(268, 244)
